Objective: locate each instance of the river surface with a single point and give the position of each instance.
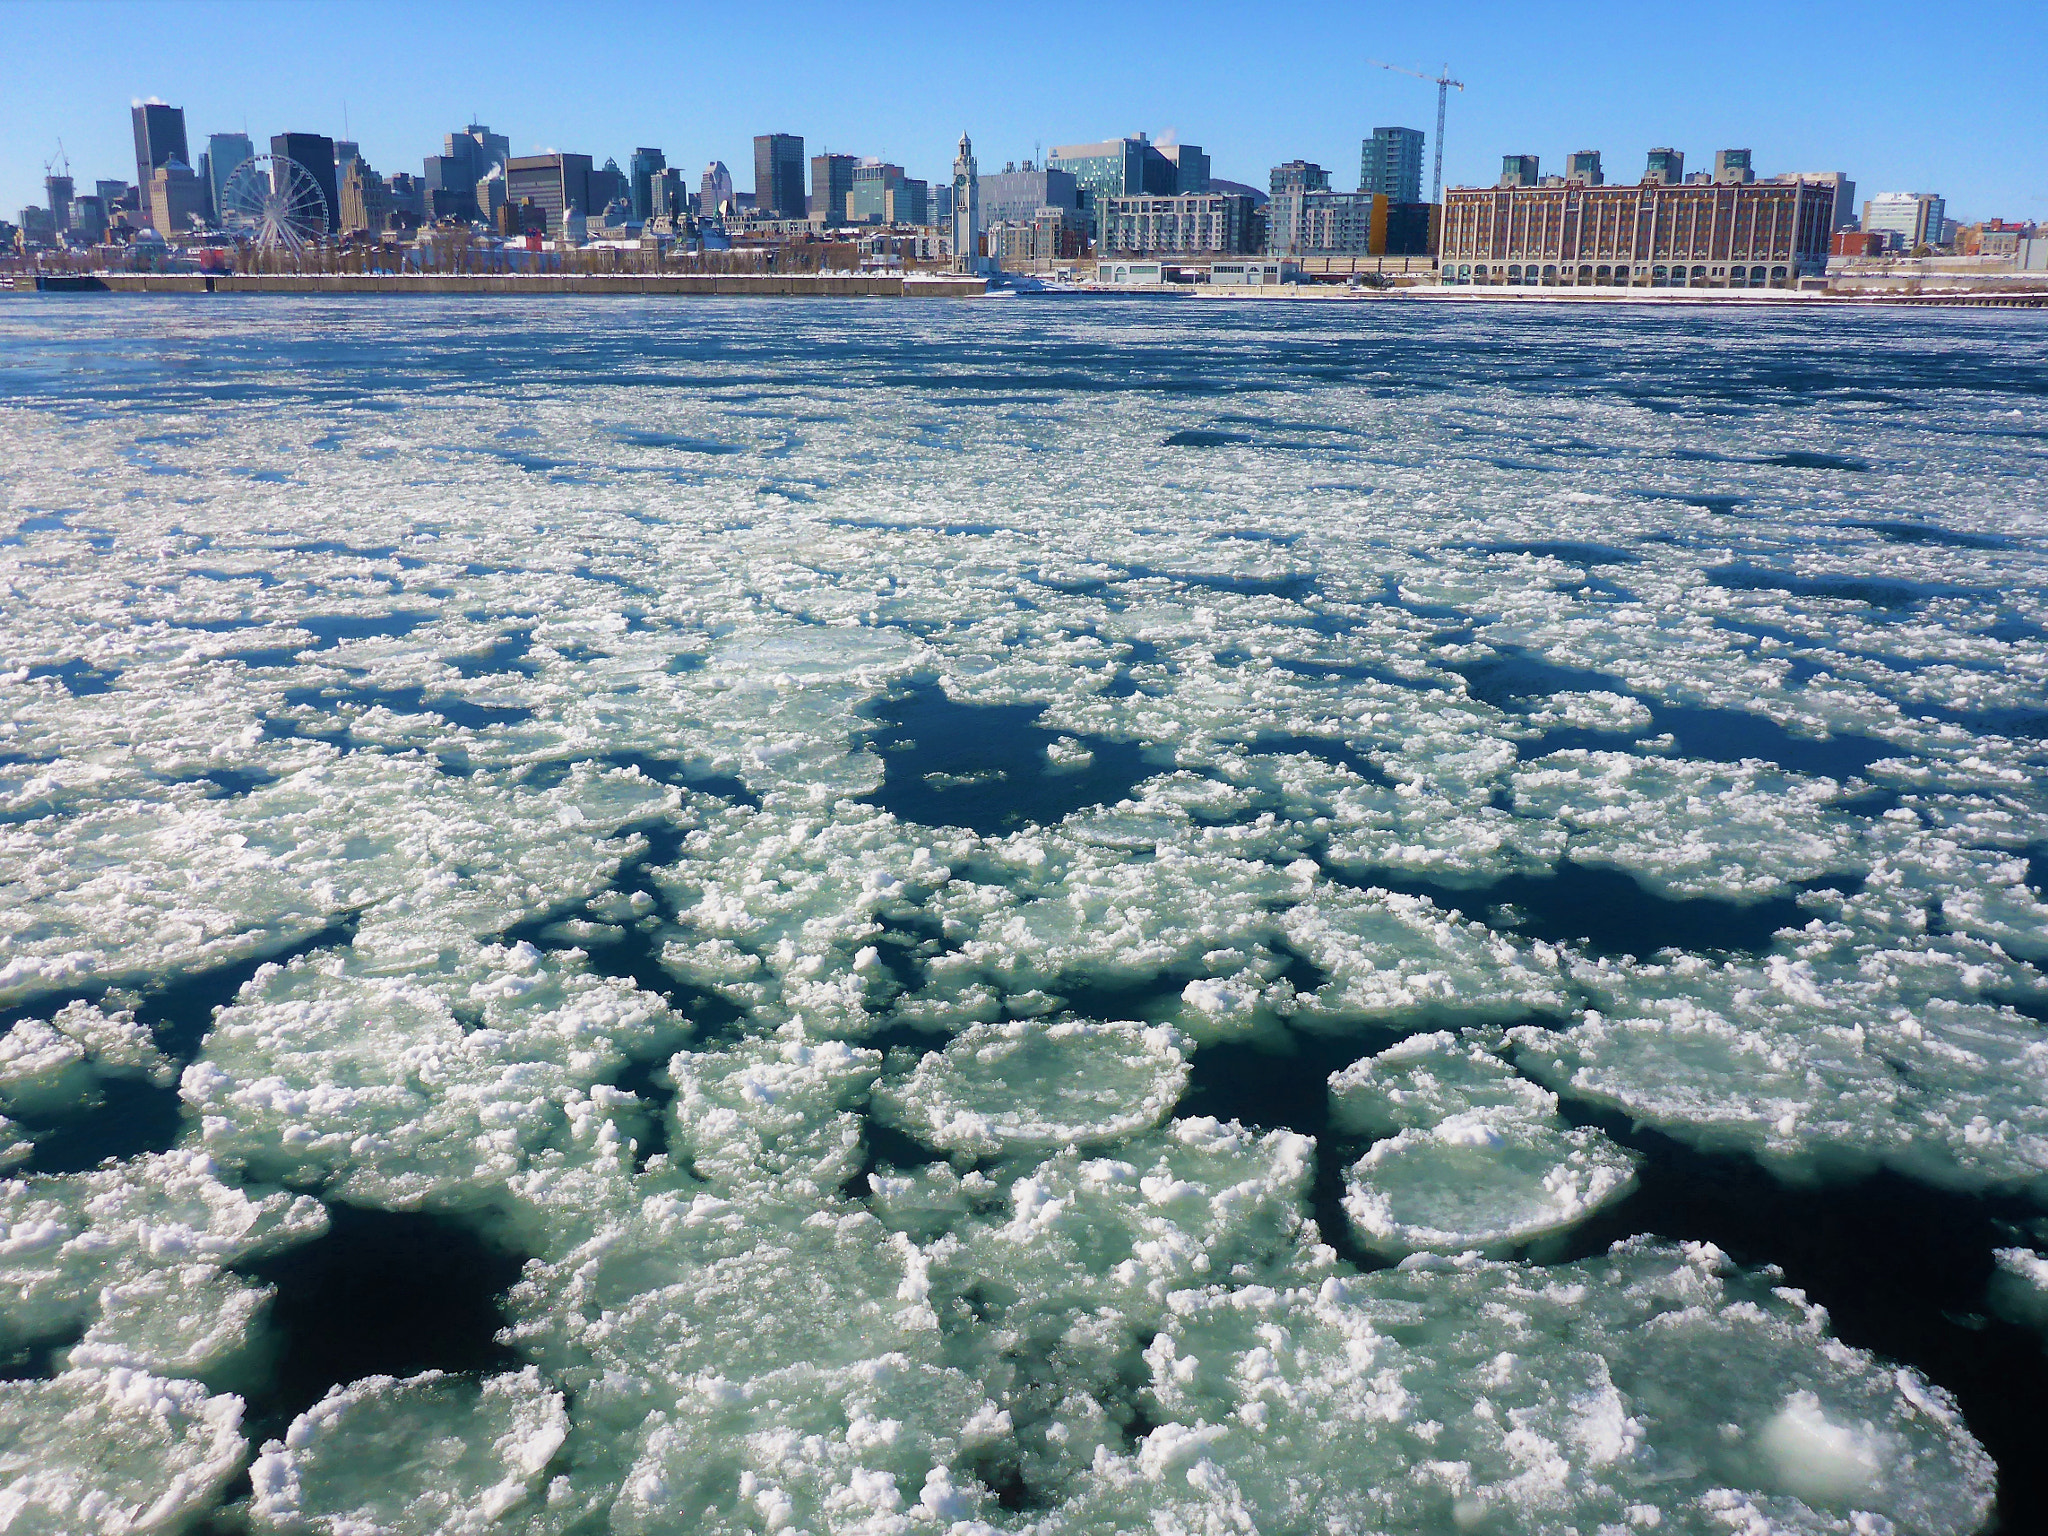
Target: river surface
(1046, 917)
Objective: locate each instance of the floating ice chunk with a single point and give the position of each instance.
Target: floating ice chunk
(2019, 1288)
(1426, 1080)
(889, 1444)
(69, 1245)
(112, 1452)
(190, 1320)
(771, 1119)
(1478, 1158)
(1649, 1388)
(1469, 1185)
(1598, 710)
(430, 1455)
(1812, 1067)
(1400, 958)
(51, 1066)
(1030, 1085)
(1691, 828)
(330, 1069)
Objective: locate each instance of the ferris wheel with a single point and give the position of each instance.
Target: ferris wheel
(274, 203)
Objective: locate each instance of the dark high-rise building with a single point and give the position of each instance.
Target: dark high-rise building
(447, 190)
(1390, 163)
(831, 185)
(57, 197)
(779, 176)
(315, 152)
(89, 217)
(1190, 168)
(645, 165)
(554, 183)
(608, 185)
(159, 138)
(487, 150)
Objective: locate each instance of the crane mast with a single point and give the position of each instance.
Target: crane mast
(1443, 82)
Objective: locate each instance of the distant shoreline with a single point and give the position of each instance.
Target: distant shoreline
(957, 286)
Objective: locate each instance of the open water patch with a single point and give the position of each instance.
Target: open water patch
(381, 1293)
(1874, 591)
(408, 701)
(1904, 531)
(78, 678)
(991, 768)
(641, 437)
(1603, 911)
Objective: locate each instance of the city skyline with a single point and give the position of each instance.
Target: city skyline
(1596, 94)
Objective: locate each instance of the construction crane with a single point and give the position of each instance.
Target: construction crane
(1443, 82)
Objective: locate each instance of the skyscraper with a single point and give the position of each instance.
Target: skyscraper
(608, 184)
(57, 197)
(831, 184)
(1390, 163)
(557, 184)
(779, 176)
(315, 152)
(668, 194)
(159, 136)
(642, 168)
(966, 207)
(490, 149)
(224, 153)
(1128, 167)
(715, 191)
(1190, 168)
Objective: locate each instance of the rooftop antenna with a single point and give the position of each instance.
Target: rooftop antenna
(1443, 82)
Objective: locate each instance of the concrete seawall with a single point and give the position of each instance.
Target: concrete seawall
(770, 285)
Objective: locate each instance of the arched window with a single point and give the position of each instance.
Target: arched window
(1550, 274)
(1699, 274)
(1756, 276)
(1515, 273)
(1479, 272)
(1604, 274)
(1585, 274)
(1777, 274)
(1658, 276)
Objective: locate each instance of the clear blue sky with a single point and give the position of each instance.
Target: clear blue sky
(1900, 94)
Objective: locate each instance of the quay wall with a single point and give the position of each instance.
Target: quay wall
(768, 285)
